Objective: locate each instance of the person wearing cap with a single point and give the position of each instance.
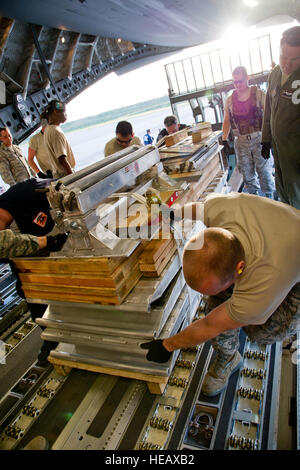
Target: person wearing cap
(13, 165)
(148, 139)
(171, 126)
(281, 124)
(124, 138)
(37, 149)
(58, 148)
(243, 114)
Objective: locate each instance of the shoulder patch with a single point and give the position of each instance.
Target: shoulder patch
(40, 219)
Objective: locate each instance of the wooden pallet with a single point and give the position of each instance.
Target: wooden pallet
(68, 265)
(156, 384)
(89, 280)
(197, 188)
(86, 294)
(201, 132)
(186, 148)
(154, 249)
(155, 269)
(176, 137)
(156, 256)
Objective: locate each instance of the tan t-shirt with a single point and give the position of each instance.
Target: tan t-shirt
(113, 145)
(37, 144)
(56, 144)
(270, 233)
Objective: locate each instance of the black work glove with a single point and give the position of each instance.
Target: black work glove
(42, 175)
(227, 149)
(55, 243)
(157, 352)
(266, 150)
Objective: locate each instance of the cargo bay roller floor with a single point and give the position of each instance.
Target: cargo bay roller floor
(81, 409)
(86, 410)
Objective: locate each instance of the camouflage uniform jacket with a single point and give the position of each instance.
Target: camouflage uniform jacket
(13, 166)
(15, 244)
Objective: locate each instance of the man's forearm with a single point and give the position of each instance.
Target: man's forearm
(202, 330)
(196, 333)
(42, 241)
(225, 130)
(34, 167)
(14, 244)
(226, 123)
(64, 162)
(31, 162)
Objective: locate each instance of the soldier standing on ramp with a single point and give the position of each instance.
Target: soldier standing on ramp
(244, 114)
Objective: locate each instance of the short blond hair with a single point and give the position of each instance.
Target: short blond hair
(220, 253)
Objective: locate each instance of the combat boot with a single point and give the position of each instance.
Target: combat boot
(37, 443)
(219, 372)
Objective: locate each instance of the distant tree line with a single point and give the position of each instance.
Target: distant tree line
(115, 114)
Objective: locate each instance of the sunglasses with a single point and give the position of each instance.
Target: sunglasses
(238, 82)
(124, 141)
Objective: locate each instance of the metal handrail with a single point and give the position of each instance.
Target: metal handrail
(176, 88)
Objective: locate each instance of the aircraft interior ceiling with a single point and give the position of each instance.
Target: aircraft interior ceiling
(59, 50)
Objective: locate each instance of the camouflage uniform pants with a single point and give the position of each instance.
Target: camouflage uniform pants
(282, 324)
(250, 162)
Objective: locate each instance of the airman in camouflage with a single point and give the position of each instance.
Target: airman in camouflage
(13, 165)
(250, 162)
(243, 114)
(281, 126)
(15, 244)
